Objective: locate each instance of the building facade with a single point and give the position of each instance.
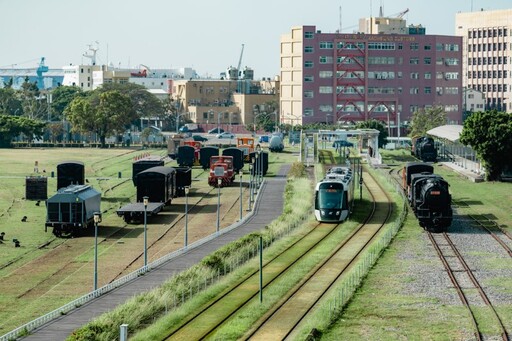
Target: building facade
(223, 101)
(486, 52)
(335, 77)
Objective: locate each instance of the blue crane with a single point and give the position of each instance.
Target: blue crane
(42, 68)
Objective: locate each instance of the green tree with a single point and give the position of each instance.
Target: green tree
(12, 126)
(490, 135)
(374, 124)
(425, 119)
(62, 96)
(9, 103)
(144, 103)
(104, 113)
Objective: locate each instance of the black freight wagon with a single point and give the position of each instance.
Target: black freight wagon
(238, 157)
(158, 184)
(183, 179)
(143, 164)
(205, 155)
(70, 173)
(186, 156)
(260, 163)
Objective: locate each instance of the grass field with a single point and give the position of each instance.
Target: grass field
(47, 272)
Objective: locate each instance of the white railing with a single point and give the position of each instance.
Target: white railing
(38, 322)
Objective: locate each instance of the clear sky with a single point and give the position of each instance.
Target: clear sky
(206, 35)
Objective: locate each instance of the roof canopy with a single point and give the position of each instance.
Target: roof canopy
(449, 132)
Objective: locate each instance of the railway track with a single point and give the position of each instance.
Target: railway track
(210, 318)
(460, 275)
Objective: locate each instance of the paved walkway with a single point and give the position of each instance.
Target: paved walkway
(268, 207)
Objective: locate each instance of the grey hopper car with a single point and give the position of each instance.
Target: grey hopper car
(71, 210)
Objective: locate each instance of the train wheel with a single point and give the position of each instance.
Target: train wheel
(57, 231)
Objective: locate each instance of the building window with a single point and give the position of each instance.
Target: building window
(427, 47)
(309, 35)
(414, 46)
(400, 46)
(428, 75)
(325, 89)
(308, 112)
(414, 91)
(326, 59)
(414, 60)
(427, 90)
(308, 94)
(309, 79)
(309, 49)
(325, 108)
(326, 45)
(427, 60)
(308, 64)
(415, 75)
(325, 74)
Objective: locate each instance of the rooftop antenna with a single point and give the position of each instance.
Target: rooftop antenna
(93, 50)
(340, 21)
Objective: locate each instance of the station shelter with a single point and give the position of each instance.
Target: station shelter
(451, 150)
(366, 141)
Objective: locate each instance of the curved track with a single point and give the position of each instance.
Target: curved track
(287, 316)
(205, 323)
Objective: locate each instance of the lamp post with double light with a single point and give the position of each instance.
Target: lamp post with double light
(145, 200)
(187, 189)
(219, 182)
(97, 219)
(257, 170)
(240, 173)
(250, 187)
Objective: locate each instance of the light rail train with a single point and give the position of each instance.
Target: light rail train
(334, 195)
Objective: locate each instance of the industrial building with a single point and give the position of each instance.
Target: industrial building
(486, 55)
(341, 77)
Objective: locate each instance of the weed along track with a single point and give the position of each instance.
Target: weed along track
(286, 317)
(244, 294)
(468, 288)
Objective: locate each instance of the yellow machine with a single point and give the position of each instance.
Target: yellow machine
(246, 144)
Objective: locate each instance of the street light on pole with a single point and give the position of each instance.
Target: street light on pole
(187, 189)
(250, 187)
(241, 173)
(145, 200)
(219, 182)
(97, 219)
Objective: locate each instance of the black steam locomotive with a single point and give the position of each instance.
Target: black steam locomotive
(424, 149)
(429, 197)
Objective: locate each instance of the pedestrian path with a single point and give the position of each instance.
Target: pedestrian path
(268, 207)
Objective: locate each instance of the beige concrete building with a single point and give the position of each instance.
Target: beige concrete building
(487, 49)
(90, 77)
(237, 102)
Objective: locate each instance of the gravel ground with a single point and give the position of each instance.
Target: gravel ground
(488, 260)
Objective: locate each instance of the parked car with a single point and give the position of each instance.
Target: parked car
(264, 139)
(216, 131)
(225, 135)
(199, 138)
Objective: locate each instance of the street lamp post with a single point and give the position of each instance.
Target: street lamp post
(97, 219)
(250, 187)
(241, 173)
(145, 199)
(257, 171)
(219, 182)
(187, 189)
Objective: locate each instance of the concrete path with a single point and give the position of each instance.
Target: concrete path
(268, 207)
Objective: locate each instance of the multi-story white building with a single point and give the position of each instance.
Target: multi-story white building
(487, 54)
